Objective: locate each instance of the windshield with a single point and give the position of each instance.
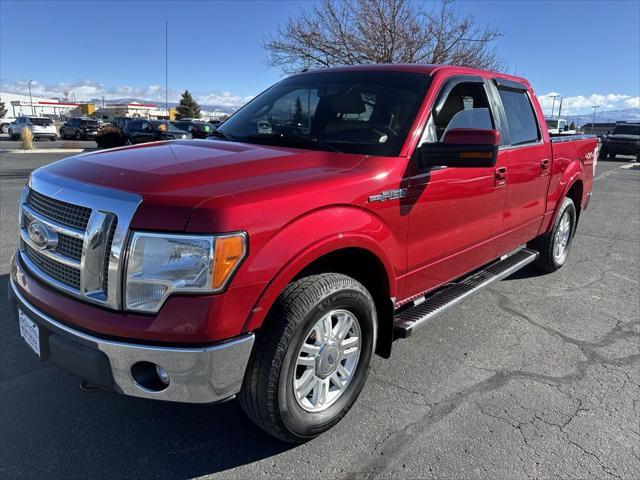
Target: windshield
(165, 126)
(88, 123)
(355, 112)
(627, 130)
(41, 122)
(552, 123)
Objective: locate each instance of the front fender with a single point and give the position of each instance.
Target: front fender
(312, 236)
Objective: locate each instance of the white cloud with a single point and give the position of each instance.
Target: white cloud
(91, 89)
(581, 104)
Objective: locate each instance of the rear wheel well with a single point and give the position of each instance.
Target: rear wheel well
(575, 194)
(366, 268)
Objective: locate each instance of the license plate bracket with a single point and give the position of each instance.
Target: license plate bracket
(30, 332)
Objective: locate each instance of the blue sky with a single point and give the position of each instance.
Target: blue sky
(587, 51)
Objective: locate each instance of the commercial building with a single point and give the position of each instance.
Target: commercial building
(18, 105)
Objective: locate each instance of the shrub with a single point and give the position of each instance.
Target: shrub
(109, 137)
(27, 138)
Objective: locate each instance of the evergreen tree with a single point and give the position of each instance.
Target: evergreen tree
(3, 110)
(572, 126)
(187, 108)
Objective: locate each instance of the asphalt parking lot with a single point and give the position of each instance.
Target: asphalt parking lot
(537, 377)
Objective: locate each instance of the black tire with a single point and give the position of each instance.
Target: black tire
(612, 156)
(127, 141)
(267, 395)
(547, 262)
(53, 139)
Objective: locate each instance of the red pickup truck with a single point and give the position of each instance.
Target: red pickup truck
(335, 212)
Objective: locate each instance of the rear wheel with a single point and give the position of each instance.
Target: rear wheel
(554, 246)
(311, 358)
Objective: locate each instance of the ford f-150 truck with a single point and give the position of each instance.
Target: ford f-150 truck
(271, 264)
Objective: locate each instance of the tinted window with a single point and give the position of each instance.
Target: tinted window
(356, 112)
(42, 122)
(627, 130)
(521, 118)
(164, 126)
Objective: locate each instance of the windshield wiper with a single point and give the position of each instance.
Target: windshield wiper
(221, 134)
(292, 139)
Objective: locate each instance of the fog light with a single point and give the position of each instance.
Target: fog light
(162, 374)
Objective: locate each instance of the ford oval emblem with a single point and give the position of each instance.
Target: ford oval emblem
(41, 236)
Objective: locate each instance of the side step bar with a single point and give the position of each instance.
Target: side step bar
(453, 293)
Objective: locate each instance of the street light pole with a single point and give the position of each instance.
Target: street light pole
(553, 105)
(593, 120)
(33, 112)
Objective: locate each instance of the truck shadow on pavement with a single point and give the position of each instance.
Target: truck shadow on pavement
(52, 429)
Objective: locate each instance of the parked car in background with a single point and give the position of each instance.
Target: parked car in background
(272, 265)
(141, 131)
(41, 127)
(80, 129)
(624, 140)
(5, 122)
(197, 128)
(121, 122)
(558, 126)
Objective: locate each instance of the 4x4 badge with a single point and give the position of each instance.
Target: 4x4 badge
(389, 195)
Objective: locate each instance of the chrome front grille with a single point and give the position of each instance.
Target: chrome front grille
(72, 235)
(62, 212)
(68, 275)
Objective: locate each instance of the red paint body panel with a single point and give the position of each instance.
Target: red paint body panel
(297, 205)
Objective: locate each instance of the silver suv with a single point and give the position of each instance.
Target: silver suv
(41, 127)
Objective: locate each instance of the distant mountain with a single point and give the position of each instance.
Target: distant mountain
(207, 108)
(606, 116)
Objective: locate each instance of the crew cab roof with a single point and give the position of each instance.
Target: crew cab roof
(415, 68)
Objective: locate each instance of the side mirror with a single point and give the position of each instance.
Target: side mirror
(461, 148)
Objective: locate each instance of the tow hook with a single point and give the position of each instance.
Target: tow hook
(87, 387)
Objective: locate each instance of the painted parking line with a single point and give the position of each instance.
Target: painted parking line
(626, 166)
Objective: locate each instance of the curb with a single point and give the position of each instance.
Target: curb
(46, 150)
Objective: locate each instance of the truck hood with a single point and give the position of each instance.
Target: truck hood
(175, 177)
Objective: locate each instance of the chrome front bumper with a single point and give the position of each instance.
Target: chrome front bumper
(196, 375)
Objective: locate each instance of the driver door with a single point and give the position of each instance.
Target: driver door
(455, 216)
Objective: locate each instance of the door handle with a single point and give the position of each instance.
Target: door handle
(500, 176)
(544, 166)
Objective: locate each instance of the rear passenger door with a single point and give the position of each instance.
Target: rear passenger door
(527, 158)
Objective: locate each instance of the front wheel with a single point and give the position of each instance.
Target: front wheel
(311, 358)
(554, 246)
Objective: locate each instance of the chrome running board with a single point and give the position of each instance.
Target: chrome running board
(433, 304)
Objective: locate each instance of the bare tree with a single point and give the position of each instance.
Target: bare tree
(348, 32)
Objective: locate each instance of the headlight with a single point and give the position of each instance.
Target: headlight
(161, 264)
